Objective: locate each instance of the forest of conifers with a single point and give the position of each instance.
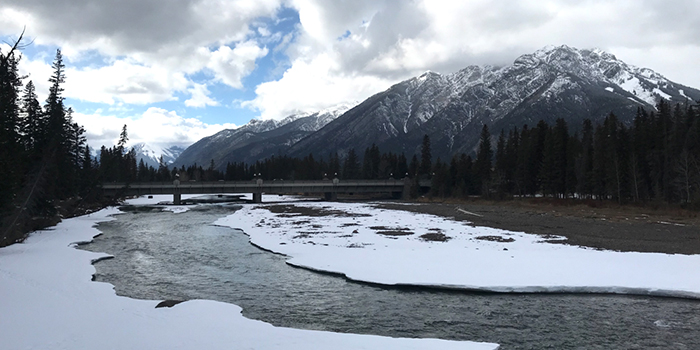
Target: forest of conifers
(44, 159)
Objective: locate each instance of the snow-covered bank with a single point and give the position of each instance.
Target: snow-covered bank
(47, 301)
(402, 248)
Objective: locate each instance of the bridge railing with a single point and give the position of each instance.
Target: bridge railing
(194, 184)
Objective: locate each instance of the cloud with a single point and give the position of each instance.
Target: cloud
(200, 97)
(312, 86)
(231, 65)
(352, 49)
(150, 50)
(155, 126)
(339, 50)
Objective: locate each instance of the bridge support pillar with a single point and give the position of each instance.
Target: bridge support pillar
(330, 196)
(177, 194)
(257, 197)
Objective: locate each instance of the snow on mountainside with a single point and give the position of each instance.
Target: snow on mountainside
(151, 153)
(551, 83)
(258, 138)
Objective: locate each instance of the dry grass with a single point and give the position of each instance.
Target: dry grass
(496, 239)
(435, 237)
(588, 208)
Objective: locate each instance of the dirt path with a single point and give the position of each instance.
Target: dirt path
(621, 229)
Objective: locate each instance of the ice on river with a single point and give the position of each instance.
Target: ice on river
(47, 301)
(395, 247)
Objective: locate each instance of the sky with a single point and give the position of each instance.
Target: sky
(178, 70)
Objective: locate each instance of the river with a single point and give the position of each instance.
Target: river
(161, 255)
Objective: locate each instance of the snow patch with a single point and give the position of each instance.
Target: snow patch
(662, 94)
(634, 86)
(609, 89)
(354, 245)
(49, 302)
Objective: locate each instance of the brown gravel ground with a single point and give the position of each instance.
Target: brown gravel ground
(590, 224)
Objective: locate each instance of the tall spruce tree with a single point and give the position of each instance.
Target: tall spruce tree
(32, 125)
(482, 166)
(10, 146)
(351, 166)
(426, 157)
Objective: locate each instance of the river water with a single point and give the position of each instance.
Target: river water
(161, 255)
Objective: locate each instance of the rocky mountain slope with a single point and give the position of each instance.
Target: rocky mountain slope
(551, 83)
(555, 82)
(257, 140)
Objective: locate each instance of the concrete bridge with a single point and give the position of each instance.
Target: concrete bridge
(330, 188)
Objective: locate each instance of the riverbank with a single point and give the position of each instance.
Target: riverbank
(402, 244)
(605, 226)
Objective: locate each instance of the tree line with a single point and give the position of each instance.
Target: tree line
(655, 159)
(46, 168)
(46, 163)
(43, 153)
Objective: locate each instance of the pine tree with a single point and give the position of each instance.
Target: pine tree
(500, 182)
(123, 139)
(426, 161)
(547, 174)
(10, 146)
(482, 165)
(32, 125)
(560, 138)
(413, 167)
(351, 166)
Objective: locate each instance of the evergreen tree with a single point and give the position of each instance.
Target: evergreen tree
(10, 146)
(413, 167)
(547, 174)
(441, 183)
(482, 166)
(123, 139)
(333, 165)
(32, 125)
(370, 162)
(426, 161)
(560, 139)
(351, 166)
(500, 180)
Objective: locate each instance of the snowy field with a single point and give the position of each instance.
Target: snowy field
(394, 247)
(47, 301)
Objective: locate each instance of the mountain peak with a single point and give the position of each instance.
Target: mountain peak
(151, 153)
(550, 83)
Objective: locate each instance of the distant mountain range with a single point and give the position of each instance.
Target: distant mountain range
(552, 83)
(150, 154)
(258, 139)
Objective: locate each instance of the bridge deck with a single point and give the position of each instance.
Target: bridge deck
(276, 187)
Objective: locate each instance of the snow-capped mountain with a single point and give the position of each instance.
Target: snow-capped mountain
(551, 83)
(257, 139)
(150, 154)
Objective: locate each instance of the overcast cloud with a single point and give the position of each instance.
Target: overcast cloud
(199, 54)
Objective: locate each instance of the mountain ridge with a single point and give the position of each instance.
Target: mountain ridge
(550, 83)
(257, 139)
